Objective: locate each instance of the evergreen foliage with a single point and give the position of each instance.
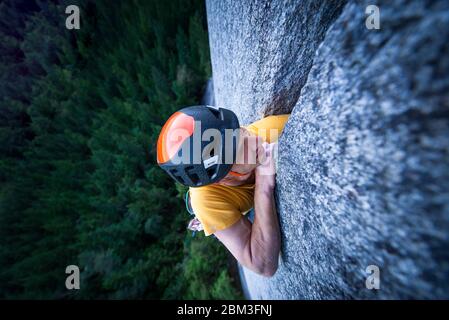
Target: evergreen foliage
(80, 112)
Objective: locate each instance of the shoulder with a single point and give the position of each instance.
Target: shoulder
(214, 206)
(269, 128)
(210, 195)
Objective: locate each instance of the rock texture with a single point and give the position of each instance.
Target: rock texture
(363, 171)
(262, 51)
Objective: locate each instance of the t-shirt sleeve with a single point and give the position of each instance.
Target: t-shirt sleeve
(269, 128)
(214, 210)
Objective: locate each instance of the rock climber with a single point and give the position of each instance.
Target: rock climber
(230, 171)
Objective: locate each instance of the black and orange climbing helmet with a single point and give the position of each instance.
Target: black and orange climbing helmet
(190, 152)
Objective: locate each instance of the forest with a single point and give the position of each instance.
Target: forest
(80, 112)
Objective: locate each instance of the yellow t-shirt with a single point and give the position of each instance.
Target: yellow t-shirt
(219, 207)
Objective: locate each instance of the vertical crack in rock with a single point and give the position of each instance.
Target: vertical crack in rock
(262, 51)
(288, 78)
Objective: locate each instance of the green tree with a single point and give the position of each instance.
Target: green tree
(80, 114)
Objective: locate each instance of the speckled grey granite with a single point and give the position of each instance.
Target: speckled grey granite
(364, 159)
(363, 163)
(262, 51)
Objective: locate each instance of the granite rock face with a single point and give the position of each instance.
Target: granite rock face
(262, 51)
(363, 170)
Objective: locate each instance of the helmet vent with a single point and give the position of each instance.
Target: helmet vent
(178, 177)
(216, 113)
(192, 175)
(211, 172)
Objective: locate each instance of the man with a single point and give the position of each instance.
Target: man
(228, 176)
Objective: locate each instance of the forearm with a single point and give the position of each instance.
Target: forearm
(265, 239)
(257, 245)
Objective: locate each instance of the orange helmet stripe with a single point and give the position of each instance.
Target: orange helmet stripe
(175, 131)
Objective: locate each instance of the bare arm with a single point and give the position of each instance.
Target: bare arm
(257, 245)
